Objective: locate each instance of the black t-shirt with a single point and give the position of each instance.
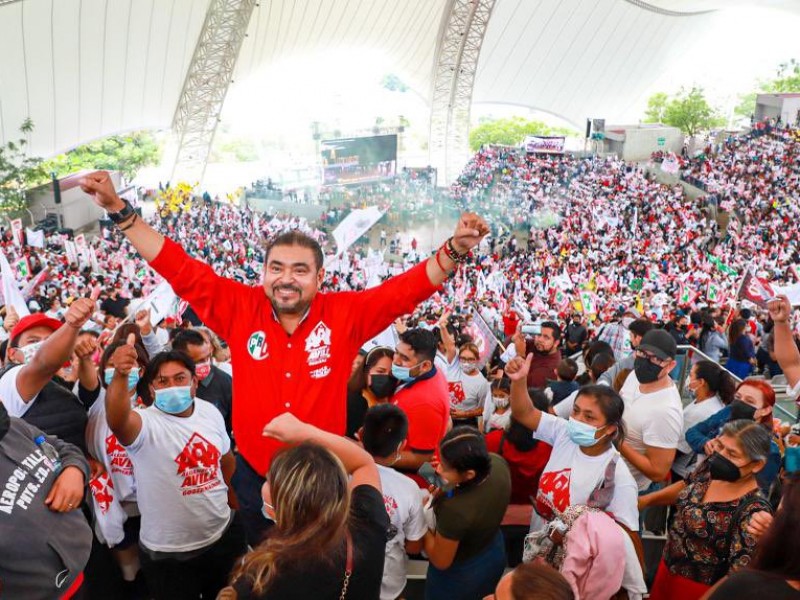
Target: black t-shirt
(323, 581)
(356, 412)
(746, 585)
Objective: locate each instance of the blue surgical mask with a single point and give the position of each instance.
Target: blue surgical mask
(133, 377)
(582, 433)
(174, 400)
(403, 374)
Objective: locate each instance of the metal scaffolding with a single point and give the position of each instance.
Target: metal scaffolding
(464, 25)
(206, 84)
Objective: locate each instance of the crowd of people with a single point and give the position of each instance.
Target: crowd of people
(508, 401)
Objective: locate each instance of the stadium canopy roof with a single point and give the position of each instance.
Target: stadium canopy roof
(83, 69)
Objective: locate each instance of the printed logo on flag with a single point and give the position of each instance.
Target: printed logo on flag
(257, 345)
(318, 345)
(198, 464)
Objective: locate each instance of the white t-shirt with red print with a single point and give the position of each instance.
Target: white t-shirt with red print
(181, 493)
(467, 392)
(404, 507)
(570, 476)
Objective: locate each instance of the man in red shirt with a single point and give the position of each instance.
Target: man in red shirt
(292, 348)
(423, 396)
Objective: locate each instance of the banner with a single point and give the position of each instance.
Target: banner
(11, 291)
(162, 302)
(35, 238)
(16, 231)
(485, 339)
(354, 225)
(544, 144)
(30, 288)
(790, 291)
(755, 290)
(714, 292)
(722, 266)
(670, 164)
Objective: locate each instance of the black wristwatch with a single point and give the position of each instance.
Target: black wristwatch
(122, 215)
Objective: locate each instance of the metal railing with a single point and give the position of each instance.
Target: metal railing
(690, 351)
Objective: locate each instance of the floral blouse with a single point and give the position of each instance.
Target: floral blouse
(699, 546)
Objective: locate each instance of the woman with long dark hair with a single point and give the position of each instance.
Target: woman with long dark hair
(372, 384)
(775, 570)
(742, 351)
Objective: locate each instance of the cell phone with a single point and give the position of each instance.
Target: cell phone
(532, 328)
(429, 474)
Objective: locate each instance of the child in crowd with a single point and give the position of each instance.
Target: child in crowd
(565, 384)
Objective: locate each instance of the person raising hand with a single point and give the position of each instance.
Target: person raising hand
(292, 346)
(38, 347)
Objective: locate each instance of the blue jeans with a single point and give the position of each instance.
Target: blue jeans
(471, 579)
(246, 483)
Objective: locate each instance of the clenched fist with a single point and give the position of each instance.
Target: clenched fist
(100, 187)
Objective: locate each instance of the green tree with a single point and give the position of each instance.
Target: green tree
(687, 110)
(656, 108)
(18, 171)
(510, 132)
(125, 153)
(786, 81)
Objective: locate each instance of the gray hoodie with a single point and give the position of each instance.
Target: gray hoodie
(41, 552)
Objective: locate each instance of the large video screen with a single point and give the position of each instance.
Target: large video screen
(355, 160)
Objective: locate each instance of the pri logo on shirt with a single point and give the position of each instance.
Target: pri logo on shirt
(456, 393)
(198, 464)
(257, 345)
(318, 345)
(553, 494)
(118, 457)
(102, 489)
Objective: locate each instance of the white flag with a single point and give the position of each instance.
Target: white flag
(35, 238)
(11, 291)
(161, 301)
(354, 225)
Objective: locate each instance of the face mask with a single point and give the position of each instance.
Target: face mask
(133, 377)
(500, 401)
(468, 367)
(582, 433)
(723, 469)
(403, 374)
(29, 351)
(626, 322)
(203, 370)
(174, 400)
(646, 372)
(741, 410)
(383, 386)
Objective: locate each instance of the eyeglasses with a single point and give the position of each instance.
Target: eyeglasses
(651, 357)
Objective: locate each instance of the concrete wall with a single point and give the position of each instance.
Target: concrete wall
(641, 142)
(771, 106)
(77, 210)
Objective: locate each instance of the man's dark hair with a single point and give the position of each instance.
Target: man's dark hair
(163, 358)
(552, 325)
(745, 314)
(296, 238)
(567, 369)
(421, 341)
(187, 337)
(385, 426)
(641, 326)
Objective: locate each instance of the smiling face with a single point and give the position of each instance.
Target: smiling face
(291, 279)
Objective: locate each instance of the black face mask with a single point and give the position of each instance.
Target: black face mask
(723, 469)
(740, 410)
(646, 372)
(383, 386)
(5, 421)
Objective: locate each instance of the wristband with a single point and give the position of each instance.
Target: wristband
(439, 263)
(453, 254)
(131, 224)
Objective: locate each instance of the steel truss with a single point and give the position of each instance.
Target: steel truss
(464, 25)
(206, 85)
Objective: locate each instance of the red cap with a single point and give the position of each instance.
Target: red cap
(34, 320)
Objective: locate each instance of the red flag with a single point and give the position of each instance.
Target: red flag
(755, 290)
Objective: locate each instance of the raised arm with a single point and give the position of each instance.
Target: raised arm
(448, 340)
(55, 350)
(125, 422)
(786, 352)
(147, 241)
(357, 462)
(522, 408)
(471, 229)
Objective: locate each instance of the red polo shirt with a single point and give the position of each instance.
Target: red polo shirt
(305, 373)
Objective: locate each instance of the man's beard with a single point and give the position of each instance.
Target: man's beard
(298, 307)
(536, 350)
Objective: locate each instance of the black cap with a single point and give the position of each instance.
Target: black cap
(660, 343)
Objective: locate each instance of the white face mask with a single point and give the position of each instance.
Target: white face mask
(29, 351)
(500, 401)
